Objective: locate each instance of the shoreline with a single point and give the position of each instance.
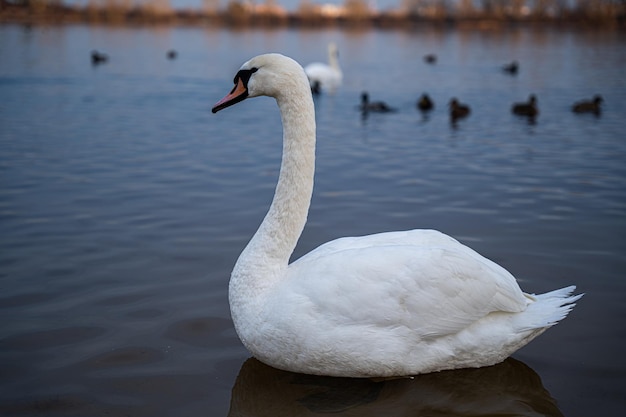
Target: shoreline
(238, 19)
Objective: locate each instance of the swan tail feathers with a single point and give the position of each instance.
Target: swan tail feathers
(549, 308)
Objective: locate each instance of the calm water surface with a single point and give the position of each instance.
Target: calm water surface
(124, 204)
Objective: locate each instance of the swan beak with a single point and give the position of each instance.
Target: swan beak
(238, 93)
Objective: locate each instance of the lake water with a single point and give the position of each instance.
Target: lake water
(124, 204)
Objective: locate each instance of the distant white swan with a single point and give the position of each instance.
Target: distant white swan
(328, 76)
(388, 304)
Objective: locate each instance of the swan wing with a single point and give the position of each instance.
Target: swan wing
(423, 280)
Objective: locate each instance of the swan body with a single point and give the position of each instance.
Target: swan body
(327, 76)
(388, 304)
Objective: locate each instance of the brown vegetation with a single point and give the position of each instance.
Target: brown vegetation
(409, 13)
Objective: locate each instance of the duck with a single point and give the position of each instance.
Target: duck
(528, 109)
(425, 103)
(458, 110)
(328, 76)
(588, 106)
(511, 68)
(316, 88)
(172, 54)
(389, 304)
(373, 106)
(98, 57)
(430, 58)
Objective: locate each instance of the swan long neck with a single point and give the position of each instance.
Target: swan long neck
(264, 260)
(333, 57)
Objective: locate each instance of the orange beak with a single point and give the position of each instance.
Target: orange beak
(237, 94)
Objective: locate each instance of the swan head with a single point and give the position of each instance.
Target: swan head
(272, 75)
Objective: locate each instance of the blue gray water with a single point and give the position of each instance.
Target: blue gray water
(124, 204)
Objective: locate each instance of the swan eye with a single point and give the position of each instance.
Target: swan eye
(245, 75)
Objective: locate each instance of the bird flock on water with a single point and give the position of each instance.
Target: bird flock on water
(328, 77)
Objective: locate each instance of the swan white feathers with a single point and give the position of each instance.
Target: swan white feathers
(388, 304)
(327, 76)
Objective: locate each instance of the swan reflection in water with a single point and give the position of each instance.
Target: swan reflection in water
(510, 388)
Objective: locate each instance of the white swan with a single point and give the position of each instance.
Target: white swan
(389, 304)
(328, 76)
